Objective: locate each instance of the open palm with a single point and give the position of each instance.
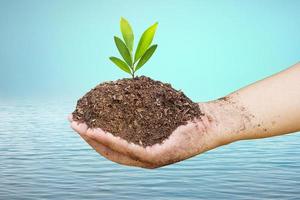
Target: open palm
(186, 141)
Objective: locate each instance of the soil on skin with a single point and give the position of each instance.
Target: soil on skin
(140, 110)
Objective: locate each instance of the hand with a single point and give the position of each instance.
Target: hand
(266, 108)
(185, 142)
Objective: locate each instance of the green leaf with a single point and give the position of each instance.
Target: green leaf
(121, 64)
(123, 50)
(147, 55)
(127, 33)
(145, 41)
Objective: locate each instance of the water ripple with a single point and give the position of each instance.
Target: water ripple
(42, 158)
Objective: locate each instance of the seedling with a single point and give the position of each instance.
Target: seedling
(143, 51)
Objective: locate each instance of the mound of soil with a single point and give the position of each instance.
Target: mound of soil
(140, 110)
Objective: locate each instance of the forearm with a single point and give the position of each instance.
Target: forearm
(269, 107)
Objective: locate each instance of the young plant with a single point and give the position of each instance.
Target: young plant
(143, 51)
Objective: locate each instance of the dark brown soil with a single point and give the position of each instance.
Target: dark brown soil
(139, 110)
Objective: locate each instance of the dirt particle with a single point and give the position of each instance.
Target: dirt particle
(226, 98)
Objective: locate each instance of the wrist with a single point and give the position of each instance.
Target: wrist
(228, 121)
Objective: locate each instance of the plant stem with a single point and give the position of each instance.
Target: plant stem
(133, 74)
(132, 68)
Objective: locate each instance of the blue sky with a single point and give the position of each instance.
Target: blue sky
(206, 48)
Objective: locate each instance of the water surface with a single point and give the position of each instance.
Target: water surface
(42, 158)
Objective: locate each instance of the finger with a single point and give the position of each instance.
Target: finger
(135, 152)
(80, 128)
(146, 155)
(70, 117)
(114, 156)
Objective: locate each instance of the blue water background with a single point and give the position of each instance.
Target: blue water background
(42, 158)
(52, 52)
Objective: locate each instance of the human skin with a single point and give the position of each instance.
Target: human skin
(267, 108)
